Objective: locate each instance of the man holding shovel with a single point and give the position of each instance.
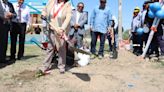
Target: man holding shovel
(58, 12)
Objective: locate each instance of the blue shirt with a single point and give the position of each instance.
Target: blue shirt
(100, 20)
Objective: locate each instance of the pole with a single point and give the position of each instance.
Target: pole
(120, 20)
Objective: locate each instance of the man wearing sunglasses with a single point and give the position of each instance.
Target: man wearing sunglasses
(100, 22)
(78, 20)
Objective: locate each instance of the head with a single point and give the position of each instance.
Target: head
(62, 1)
(136, 11)
(145, 5)
(80, 6)
(102, 3)
(155, 0)
(20, 2)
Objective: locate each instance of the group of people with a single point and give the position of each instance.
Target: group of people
(65, 23)
(70, 22)
(141, 19)
(14, 19)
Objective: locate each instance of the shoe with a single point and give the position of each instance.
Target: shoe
(93, 56)
(111, 55)
(100, 56)
(12, 59)
(19, 58)
(62, 71)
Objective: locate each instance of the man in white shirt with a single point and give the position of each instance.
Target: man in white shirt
(19, 28)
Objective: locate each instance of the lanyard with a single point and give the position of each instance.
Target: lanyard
(56, 13)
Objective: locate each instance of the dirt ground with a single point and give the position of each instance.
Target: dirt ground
(125, 74)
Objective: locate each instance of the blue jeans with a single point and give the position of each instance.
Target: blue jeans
(94, 36)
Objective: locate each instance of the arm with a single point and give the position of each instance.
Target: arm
(109, 18)
(1, 12)
(12, 10)
(72, 23)
(28, 16)
(68, 17)
(92, 18)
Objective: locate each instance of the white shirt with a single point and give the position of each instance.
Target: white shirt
(77, 16)
(25, 13)
(5, 6)
(115, 21)
(135, 23)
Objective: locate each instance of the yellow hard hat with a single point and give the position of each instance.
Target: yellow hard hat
(137, 9)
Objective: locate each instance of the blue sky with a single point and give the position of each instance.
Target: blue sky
(128, 6)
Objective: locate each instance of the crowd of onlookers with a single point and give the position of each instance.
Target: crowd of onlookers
(15, 18)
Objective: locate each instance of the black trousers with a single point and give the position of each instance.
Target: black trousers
(18, 30)
(4, 28)
(137, 39)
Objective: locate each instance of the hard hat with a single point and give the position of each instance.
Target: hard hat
(137, 9)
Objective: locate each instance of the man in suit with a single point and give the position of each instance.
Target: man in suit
(6, 13)
(78, 20)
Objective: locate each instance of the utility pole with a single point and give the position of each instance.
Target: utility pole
(120, 19)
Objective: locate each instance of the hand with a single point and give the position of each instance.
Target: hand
(43, 17)
(60, 32)
(8, 15)
(76, 26)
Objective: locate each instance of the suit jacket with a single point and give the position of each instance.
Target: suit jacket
(11, 9)
(1, 13)
(64, 20)
(61, 22)
(82, 21)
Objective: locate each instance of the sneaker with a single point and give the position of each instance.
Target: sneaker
(111, 54)
(62, 71)
(100, 56)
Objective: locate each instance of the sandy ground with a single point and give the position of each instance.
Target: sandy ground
(126, 74)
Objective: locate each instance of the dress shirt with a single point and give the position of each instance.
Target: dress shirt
(25, 13)
(77, 16)
(100, 19)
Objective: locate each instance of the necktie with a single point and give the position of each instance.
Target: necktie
(19, 14)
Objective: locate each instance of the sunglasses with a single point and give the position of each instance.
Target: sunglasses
(80, 6)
